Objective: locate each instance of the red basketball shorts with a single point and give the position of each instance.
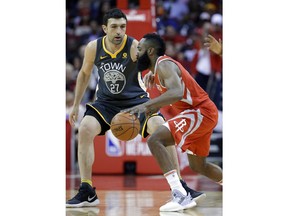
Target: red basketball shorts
(192, 130)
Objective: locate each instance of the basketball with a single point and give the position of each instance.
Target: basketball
(125, 126)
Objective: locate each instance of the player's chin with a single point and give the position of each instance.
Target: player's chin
(117, 40)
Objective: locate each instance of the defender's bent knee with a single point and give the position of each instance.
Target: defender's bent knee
(89, 128)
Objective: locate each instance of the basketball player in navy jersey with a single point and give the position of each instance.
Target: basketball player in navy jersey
(120, 87)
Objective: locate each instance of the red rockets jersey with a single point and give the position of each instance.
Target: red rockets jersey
(196, 116)
(193, 95)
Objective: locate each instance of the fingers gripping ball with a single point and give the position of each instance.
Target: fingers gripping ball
(125, 126)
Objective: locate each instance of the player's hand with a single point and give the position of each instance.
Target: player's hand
(137, 110)
(149, 80)
(73, 116)
(211, 43)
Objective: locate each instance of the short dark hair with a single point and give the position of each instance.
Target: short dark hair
(113, 13)
(157, 42)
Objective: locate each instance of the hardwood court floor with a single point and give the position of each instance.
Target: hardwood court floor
(122, 195)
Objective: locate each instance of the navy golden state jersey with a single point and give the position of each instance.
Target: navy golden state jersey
(120, 82)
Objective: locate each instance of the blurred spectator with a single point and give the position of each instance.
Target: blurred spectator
(83, 28)
(70, 77)
(212, 44)
(178, 9)
(216, 21)
(208, 69)
(163, 19)
(83, 7)
(96, 31)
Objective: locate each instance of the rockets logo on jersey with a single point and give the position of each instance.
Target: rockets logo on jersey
(180, 125)
(113, 76)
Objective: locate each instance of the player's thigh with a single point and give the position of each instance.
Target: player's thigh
(89, 127)
(153, 123)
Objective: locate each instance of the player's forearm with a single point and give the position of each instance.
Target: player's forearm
(81, 85)
(169, 97)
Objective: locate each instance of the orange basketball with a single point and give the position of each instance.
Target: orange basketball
(125, 126)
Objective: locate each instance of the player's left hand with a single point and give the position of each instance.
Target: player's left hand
(135, 110)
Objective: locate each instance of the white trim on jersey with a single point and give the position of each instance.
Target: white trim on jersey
(191, 115)
(188, 97)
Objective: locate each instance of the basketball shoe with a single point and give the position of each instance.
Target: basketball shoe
(87, 211)
(196, 195)
(86, 196)
(191, 212)
(179, 202)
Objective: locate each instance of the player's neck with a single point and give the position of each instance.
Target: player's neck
(152, 68)
(112, 47)
(153, 63)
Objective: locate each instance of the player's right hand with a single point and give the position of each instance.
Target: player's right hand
(73, 116)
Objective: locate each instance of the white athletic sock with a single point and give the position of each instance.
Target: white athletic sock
(174, 181)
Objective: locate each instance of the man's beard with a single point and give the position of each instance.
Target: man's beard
(143, 62)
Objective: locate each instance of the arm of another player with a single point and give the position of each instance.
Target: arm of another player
(169, 75)
(83, 79)
(211, 43)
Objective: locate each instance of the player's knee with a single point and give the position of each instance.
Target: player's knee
(86, 131)
(153, 124)
(153, 140)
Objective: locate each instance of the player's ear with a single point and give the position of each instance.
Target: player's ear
(104, 27)
(150, 50)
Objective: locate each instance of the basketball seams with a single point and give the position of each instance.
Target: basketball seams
(123, 132)
(133, 134)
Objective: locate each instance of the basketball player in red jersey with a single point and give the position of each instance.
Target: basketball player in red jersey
(190, 129)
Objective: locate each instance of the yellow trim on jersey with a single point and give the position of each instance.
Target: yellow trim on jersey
(114, 55)
(145, 123)
(99, 113)
(141, 83)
